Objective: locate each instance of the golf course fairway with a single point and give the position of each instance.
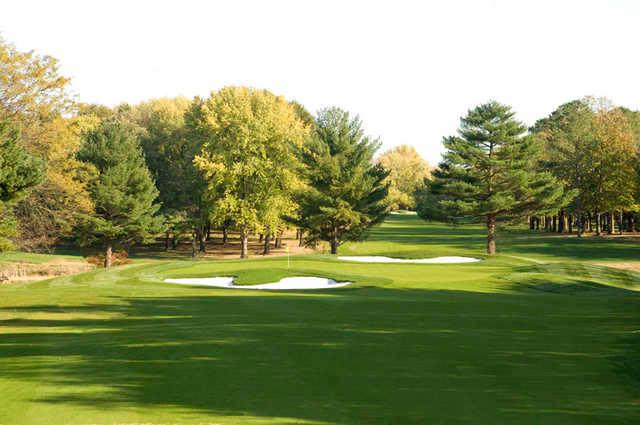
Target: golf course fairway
(543, 333)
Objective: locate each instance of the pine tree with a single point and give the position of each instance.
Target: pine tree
(489, 171)
(123, 191)
(19, 172)
(346, 193)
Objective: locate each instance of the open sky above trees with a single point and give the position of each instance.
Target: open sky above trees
(410, 69)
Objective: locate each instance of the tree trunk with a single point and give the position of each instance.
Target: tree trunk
(334, 241)
(561, 216)
(166, 241)
(334, 245)
(203, 241)
(579, 218)
(620, 217)
(279, 240)
(598, 224)
(491, 234)
(612, 223)
(174, 242)
(570, 220)
(194, 242)
(561, 222)
(225, 235)
(632, 223)
(261, 238)
(244, 243)
(209, 231)
(267, 244)
(108, 256)
(301, 238)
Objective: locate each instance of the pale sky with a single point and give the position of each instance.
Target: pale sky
(410, 69)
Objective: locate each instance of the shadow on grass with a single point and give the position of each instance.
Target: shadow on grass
(582, 279)
(365, 356)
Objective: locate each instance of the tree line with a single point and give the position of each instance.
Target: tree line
(576, 170)
(241, 159)
(248, 161)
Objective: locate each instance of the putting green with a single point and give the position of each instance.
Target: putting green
(536, 335)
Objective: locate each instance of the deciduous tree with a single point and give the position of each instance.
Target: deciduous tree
(569, 145)
(34, 97)
(407, 174)
(249, 156)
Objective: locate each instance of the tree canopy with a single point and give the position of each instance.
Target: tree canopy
(591, 148)
(407, 174)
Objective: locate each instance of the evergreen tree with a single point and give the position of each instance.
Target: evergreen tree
(346, 193)
(123, 190)
(490, 171)
(19, 172)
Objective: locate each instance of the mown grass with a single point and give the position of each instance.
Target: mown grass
(37, 258)
(538, 336)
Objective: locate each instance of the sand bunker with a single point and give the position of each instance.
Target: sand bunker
(301, 282)
(435, 260)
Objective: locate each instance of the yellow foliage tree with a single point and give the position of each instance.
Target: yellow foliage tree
(34, 97)
(407, 173)
(249, 157)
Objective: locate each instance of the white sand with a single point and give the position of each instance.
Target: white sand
(302, 282)
(435, 260)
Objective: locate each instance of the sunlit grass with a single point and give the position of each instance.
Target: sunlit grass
(537, 335)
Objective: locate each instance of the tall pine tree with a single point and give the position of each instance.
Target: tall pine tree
(123, 191)
(489, 171)
(346, 191)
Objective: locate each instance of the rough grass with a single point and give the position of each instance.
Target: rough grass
(533, 336)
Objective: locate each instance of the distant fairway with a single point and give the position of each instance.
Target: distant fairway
(536, 335)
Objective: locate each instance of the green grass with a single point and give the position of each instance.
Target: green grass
(37, 258)
(536, 335)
